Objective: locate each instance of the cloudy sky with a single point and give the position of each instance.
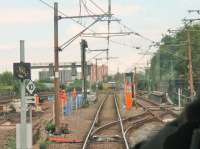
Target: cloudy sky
(32, 21)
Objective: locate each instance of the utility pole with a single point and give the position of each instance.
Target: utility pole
(189, 51)
(158, 71)
(149, 80)
(179, 98)
(135, 86)
(96, 60)
(108, 37)
(96, 69)
(172, 67)
(191, 82)
(96, 78)
(56, 69)
(148, 77)
(23, 127)
(22, 72)
(83, 68)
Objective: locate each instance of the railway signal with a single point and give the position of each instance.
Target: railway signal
(24, 129)
(22, 70)
(84, 45)
(74, 70)
(51, 69)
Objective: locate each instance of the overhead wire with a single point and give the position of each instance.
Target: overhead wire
(125, 26)
(128, 28)
(80, 10)
(142, 56)
(87, 28)
(123, 44)
(97, 6)
(62, 13)
(96, 55)
(91, 12)
(87, 9)
(65, 44)
(166, 50)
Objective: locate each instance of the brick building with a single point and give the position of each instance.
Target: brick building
(102, 73)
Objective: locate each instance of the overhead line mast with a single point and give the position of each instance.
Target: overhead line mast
(56, 67)
(191, 81)
(108, 37)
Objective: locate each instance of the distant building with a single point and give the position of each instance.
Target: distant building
(78, 76)
(102, 73)
(64, 75)
(44, 75)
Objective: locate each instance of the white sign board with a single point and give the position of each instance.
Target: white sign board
(30, 99)
(30, 87)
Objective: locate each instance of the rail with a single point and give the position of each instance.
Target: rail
(92, 131)
(121, 123)
(115, 122)
(158, 105)
(153, 114)
(94, 122)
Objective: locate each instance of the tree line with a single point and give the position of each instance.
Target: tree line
(170, 62)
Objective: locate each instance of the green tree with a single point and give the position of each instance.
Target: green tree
(8, 83)
(6, 78)
(170, 62)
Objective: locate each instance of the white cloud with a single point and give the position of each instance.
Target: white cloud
(13, 16)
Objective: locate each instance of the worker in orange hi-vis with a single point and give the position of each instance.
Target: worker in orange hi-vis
(37, 102)
(63, 100)
(63, 97)
(128, 96)
(74, 96)
(37, 99)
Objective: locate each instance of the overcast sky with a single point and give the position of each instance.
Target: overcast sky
(32, 21)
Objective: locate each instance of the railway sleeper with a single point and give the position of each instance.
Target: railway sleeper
(106, 138)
